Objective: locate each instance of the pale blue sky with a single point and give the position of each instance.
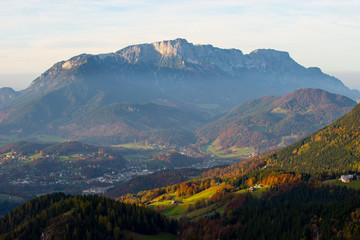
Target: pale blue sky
(34, 34)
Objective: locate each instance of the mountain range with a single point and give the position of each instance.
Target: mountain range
(179, 70)
(72, 98)
(174, 92)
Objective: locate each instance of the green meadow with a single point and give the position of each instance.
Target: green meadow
(355, 184)
(180, 210)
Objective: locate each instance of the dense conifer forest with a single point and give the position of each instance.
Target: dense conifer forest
(293, 211)
(62, 216)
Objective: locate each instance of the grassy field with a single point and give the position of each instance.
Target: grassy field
(36, 156)
(49, 138)
(4, 197)
(202, 212)
(6, 139)
(216, 150)
(133, 146)
(178, 211)
(355, 184)
(279, 110)
(256, 193)
(166, 203)
(203, 195)
(242, 191)
(72, 158)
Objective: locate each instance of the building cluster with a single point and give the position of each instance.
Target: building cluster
(257, 186)
(348, 178)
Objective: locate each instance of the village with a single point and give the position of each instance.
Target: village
(62, 172)
(55, 173)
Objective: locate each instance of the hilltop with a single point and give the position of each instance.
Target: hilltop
(331, 149)
(271, 122)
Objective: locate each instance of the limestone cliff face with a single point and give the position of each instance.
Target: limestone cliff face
(184, 54)
(175, 71)
(207, 56)
(179, 71)
(261, 67)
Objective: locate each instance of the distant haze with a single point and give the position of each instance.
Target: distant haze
(17, 81)
(22, 81)
(350, 79)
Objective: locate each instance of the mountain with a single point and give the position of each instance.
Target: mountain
(115, 123)
(279, 195)
(180, 70)
(175, 73)
(7, 95)
(271, 122)
(124, 122)
(331, 149)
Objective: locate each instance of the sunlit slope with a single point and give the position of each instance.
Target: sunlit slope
(334, 148)
(272, 122)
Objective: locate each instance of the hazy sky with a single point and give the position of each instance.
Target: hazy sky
(35, 34)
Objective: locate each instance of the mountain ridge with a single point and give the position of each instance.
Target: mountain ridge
(197, 77)
(188, 59)
(268, 122)
(333, 148)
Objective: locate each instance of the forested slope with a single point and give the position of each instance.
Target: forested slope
(61, 216)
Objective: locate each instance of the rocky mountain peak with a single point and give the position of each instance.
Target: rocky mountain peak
(173, 62)
(75, 61)
(179, 53)
(271, 59)
(270, 53)
(173, 47)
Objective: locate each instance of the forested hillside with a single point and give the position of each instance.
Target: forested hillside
(61, 216)
(289, 212)
(271, 122)
(293, 193)
(273, 196)
(334, 148)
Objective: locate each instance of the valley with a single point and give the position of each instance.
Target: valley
(32, 169)
(180, 141)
